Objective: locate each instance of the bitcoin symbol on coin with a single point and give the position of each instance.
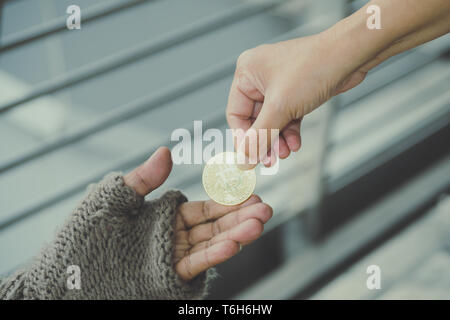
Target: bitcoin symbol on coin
(225, 183)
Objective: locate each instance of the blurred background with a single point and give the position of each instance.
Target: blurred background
(367, 188)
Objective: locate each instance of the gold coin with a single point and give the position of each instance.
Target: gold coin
(225, 183)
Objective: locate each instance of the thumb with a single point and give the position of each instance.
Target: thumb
(150, 175)
(259, 139)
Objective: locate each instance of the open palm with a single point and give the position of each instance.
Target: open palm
(206, 233)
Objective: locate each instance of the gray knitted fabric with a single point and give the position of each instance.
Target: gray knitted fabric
(122, 244)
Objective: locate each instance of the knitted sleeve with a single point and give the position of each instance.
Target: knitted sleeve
(115, 245)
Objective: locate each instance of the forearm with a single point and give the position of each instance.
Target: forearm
(405, 24)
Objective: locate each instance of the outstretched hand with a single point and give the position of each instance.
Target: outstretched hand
(206, 233)
(276, 85)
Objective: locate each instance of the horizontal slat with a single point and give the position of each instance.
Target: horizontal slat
(59, 24)
(367, 153)
(127, 56)
(426, 236)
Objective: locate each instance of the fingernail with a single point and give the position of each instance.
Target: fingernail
(246, 166)
(266, 159)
